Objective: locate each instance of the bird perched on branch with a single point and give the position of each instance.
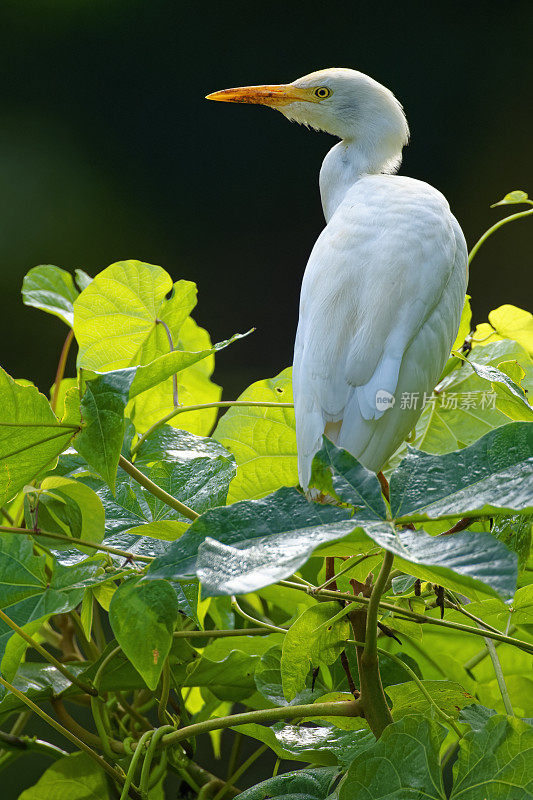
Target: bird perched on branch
(384, 287)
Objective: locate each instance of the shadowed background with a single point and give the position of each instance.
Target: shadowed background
(108, 151)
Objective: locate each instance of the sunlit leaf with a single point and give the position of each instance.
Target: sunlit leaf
(117, 318)
(263, 440)
(31, 437)
(51, 289)
(518, 196)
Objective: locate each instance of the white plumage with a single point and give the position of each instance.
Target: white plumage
(384, 286)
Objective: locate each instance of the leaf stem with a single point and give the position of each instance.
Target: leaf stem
(77, 542)
(494, 228)
(200, 407)
(61, 368)
(85, 687)
(25, 743)
(175, 375)
(236, 607)
(502, 686)
(216, 634)
(156, 490)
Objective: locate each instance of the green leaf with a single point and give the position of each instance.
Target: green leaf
(338, 473)
(493, 475)
(407, 698)
(495, 762)
(518, 196)
(469, 563)
(251, 544)
(464, 325)
(403, 763)
(52, 290)
(87, 507)
(116, 317)
(464, 408)
(143, 616)
(102, 434)
(263, 440)
(506, 322)
(324, 746)
(164, 366)
(231, 678)
(75, 777)
(515, 533)
(311, 641)
(28, 594)
(510, 397)
(31, 437)
(38, 682)
(305, 784)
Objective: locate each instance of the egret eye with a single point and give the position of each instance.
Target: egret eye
(322, 92)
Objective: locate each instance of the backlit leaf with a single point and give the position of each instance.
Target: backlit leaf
(263, 440)
(52, 290)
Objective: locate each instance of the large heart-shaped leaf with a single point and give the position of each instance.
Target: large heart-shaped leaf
(122, 317)
(492, 476)
(263, 440)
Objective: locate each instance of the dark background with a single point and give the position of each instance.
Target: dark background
(108, 151)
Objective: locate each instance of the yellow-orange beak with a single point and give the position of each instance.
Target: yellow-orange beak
(277, 95)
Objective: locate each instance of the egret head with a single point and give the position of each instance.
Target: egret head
(343, 102)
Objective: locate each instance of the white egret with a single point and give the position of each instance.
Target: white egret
(384, 286)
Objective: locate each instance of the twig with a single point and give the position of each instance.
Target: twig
(61, 368)
(156, 490)
(403, 613)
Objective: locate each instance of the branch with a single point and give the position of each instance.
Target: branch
(345, 708)
(77, 542)
(200, 407)
(403, 613)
